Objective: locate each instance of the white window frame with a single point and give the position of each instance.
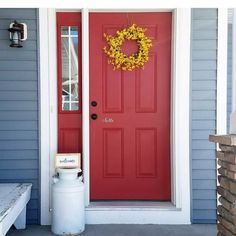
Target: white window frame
(180, 165)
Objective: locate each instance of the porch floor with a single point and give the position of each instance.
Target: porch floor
(126, 230)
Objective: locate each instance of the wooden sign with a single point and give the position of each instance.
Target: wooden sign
(68, 160)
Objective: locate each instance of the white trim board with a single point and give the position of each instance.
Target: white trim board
(48, 106)
(222, 60)
(222, 45)
(44, 116)
(85, 100)
(180, 213)
(233, 114)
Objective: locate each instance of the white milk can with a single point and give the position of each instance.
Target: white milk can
(68, 210)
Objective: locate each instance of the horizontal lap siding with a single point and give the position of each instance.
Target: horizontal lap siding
(204, 71)
(19, 125)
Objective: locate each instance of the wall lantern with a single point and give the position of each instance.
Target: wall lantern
(18, 33)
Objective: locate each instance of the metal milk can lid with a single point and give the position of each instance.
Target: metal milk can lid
(68, 170)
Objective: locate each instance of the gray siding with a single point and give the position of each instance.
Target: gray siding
(203, 122)
(229, 75)
(19, 143)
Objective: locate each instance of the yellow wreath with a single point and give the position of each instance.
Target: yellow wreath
(118, 59)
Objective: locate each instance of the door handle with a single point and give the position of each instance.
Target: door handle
(94, 103)
(94, 116)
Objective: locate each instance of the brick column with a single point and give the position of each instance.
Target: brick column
(226, 158)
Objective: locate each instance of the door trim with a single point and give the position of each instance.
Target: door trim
(48, 107)
(180, 165)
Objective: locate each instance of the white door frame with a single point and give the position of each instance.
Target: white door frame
(179, 213)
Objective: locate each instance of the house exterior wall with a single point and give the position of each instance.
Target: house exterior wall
(19, 142)
(203, 117)
(19, 124)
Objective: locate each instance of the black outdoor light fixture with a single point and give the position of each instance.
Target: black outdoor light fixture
(18, 33)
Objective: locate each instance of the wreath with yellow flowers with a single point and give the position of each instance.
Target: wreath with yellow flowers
(120, 60)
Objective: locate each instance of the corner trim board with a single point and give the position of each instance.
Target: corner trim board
(222, 44)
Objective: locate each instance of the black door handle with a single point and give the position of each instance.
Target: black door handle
(94, 103)
(94, 116)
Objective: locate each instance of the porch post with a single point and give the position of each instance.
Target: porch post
(233, 114)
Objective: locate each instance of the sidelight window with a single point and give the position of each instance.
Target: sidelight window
(69, 68)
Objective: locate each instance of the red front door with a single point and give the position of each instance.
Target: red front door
(69, 82)
(130, 138)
